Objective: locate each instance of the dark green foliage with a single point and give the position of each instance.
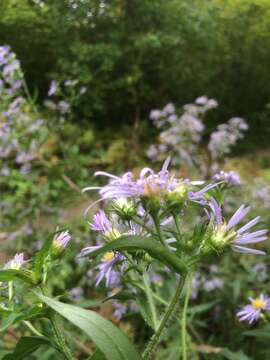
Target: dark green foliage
(136, 55)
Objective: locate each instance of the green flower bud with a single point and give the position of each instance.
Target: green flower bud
(124, 208)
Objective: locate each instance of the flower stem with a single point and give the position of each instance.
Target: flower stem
(159, 232)
(177, 225)
(164, 321)
(10, 290)
(32, 328)
(184, 320)
(60, 339)
(150, 299)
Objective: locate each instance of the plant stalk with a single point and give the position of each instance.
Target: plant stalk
(184, 320)
(61, 340)
(150, 299)
(159, 232)
(164, 321)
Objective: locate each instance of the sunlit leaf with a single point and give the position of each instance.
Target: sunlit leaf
(109, 339)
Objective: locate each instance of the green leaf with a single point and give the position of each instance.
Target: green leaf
(145, 312)
(42, 255)
(34, 313)
(201, 308)
(234, 355)
(14, 275)
(25, 346)
(259, 333)
(150, 245)
(108, 338)
(97, 356)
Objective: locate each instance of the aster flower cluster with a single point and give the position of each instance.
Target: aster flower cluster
(154, 205)
(226, 136)
(260, 193)
(62, 95)
(21, 131)
(181, 135)
(230, 177)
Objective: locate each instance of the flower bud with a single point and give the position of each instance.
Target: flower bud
(60, 242)
(124, 208)
(176, 198)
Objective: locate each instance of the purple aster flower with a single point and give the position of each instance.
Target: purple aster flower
(16, 263)
(225, 233)
(252, 312)
(106, 271)
(215, 283)
(119, 310)
(148, 184)
(126, 186)
(230, 177)
(64, 107)
(89, 249)
(62, 239)
(76, 294)
(101, 223)
(53, 88)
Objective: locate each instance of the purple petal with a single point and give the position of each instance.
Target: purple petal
(249, 225)
(246, 250)
(238, 216)
(250, 240)
(216, 210)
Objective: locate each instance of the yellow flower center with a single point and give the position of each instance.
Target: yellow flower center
(108, 256)
(258, 304)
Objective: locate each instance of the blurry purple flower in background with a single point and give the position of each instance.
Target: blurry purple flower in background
(76, 294)
(64, 107)
(252, 312)
(83, 90)
(261, 271)
(119, 310)
(226, 136)
(53, 88)
(70, 83)
(213, 284)
(230, 177)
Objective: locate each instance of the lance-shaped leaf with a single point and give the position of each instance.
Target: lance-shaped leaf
(112, 342)
(27, 345)
(150, 245)
(13, 275)
(42, 255)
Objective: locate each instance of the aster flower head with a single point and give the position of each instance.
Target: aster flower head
(61, 240)
(253, 311)
(53, 88)
(103, 225)
(125, 208)
(230, 177)
(106, 271)
(226, 234)
(150, 188)
(16, 263)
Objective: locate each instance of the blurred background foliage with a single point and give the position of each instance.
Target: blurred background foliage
(140, 54)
